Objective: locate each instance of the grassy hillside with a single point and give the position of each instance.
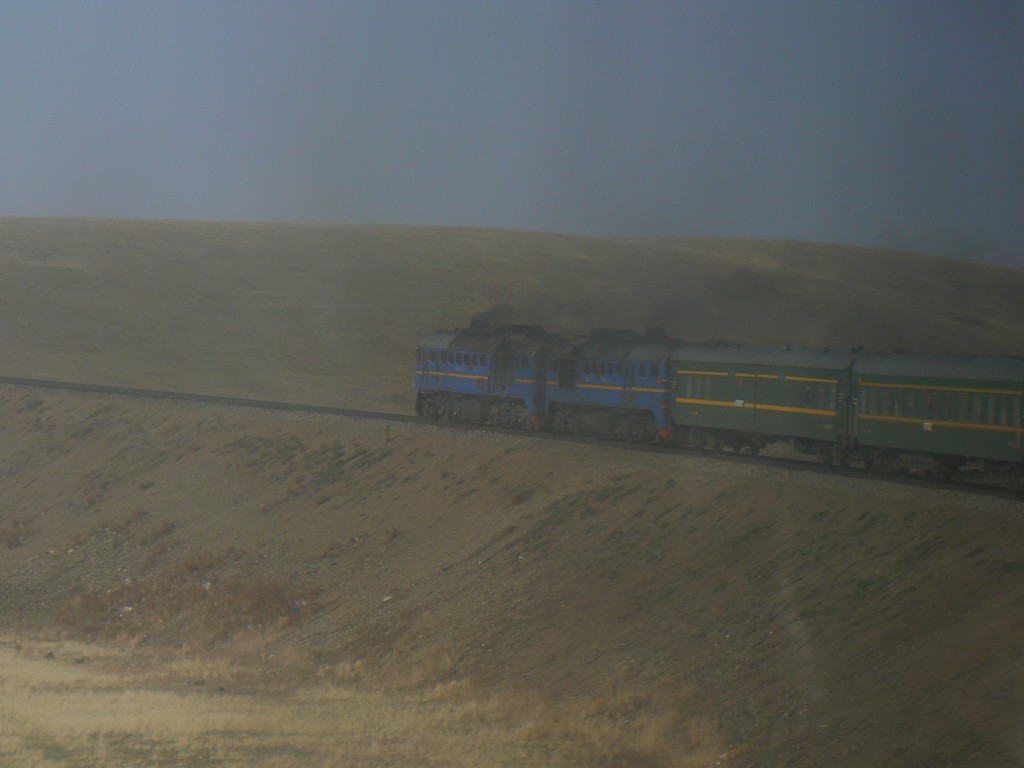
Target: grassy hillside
(330, 314)
(431, 597)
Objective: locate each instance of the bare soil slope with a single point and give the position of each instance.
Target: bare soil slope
(703, 613)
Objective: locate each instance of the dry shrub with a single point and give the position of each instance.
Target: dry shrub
(434, 664)
(164, 529)
(620, 726)
(12, 534)
(344, 672)
(193, 595)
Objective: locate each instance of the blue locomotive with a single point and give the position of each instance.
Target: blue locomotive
(937, 414)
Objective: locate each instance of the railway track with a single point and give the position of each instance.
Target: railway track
(763, 461)
(192, 397)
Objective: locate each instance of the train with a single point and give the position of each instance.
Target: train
(940, 415)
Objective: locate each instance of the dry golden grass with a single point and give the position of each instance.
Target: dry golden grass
(68, 704)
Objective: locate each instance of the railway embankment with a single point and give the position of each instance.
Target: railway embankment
(757, 615)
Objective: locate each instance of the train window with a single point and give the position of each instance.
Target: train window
(618, 369)
(991, 409)
(1015, 412)
(1004, 410)
(433, 356)
(961, 402)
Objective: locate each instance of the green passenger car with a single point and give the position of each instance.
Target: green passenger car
(960, 407)
(748, 397)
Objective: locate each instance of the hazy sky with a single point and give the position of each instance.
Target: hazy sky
(875, 122)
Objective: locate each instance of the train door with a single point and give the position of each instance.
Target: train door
(567, 372)
(538, 370)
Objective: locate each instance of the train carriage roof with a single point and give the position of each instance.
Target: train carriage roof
(798, 357)
(519, 339)
(957, 367)
(613, 344)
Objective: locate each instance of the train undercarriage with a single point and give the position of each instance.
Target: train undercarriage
(493, 411)
(638, 426)
(634, 426)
